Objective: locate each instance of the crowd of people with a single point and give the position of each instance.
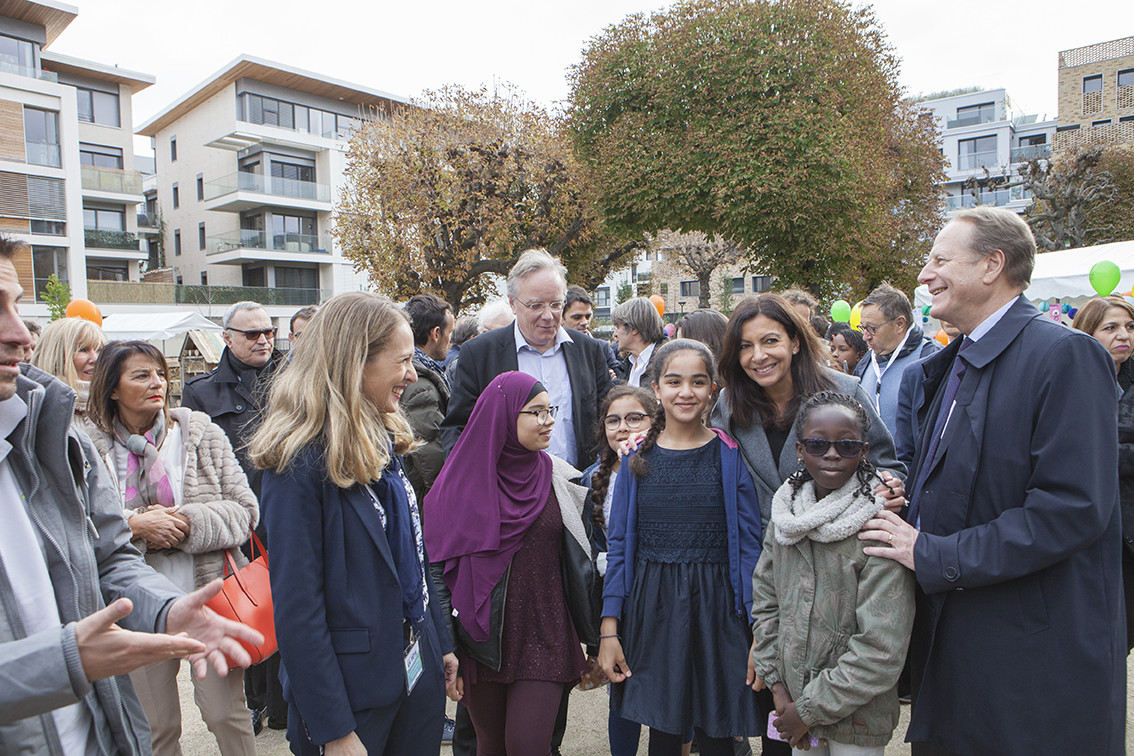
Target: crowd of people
(503, 508)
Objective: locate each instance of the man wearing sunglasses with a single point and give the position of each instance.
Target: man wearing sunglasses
(895, 342)
(232, 394)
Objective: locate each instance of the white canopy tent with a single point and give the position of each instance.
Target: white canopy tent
(1065, 275)
(155, 326)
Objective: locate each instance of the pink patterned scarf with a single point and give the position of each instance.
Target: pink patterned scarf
(147, 482)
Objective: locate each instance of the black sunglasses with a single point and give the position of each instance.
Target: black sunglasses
(255, 335)
(846, 447)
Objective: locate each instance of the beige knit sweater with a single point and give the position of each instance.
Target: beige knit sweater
(216, 499)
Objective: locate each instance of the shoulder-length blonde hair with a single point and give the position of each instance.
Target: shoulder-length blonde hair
(60, 341)
(318, 396)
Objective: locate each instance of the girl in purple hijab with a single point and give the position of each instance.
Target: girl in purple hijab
(507, 533)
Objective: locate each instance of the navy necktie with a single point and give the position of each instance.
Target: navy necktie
(951, 387)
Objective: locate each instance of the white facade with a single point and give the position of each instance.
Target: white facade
(256, 155)
(982, 130)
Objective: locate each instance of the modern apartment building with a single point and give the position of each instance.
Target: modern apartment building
(1096, 95)
(981, 130)
(67, 181)
(248, 165)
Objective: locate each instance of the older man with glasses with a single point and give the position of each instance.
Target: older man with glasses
(232, 394)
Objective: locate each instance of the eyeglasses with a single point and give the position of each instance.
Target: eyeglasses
(255, 335)
(634, 421)
(542, 416)
(846, 447)
(542, 307)
(870, 330)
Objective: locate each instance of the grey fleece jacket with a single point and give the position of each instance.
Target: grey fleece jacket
(78, 514)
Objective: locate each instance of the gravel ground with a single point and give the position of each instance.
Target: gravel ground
(586, 730)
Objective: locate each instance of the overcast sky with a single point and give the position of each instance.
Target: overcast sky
(407, 47)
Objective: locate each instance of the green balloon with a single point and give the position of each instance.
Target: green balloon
(840, 311)
(1104, 277)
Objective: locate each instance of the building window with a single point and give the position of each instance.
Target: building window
(46, 262)
(48, 228)
(971, 115)
(761, 283)
(602, 296)
(1092, 94)
(173, 149)
(17, 56)
(176, 241)
(974, 154)
(1072, 127)
(1103, 122)
(296, 278)
(176, 196)
(98, 107)
(1126, 119)
(295, 233)
(107, 271)
(1126, 78)
(200, 186)
(204, 278)
(690, 289)
(257, 109)
(293, 171)
(1092, 84)
(100, 156)
(41, 134)
(663, 290)
(180, 280)
(201, 235)
(738, 285)
(98, 219)
(1033, 141)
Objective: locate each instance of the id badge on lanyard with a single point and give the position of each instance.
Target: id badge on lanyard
(412, 658)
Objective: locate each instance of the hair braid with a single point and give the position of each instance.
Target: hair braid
(600, 480)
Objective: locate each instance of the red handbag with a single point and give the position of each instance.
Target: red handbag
(246, 597)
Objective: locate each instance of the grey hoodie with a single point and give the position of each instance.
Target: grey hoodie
(78, 514)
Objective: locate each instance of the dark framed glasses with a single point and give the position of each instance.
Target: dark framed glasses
(845, 447)
(542, 416)
(633, 420)
(255, 335)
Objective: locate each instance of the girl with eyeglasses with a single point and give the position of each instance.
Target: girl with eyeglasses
(831, 624)
(684, 537)
(513, 567)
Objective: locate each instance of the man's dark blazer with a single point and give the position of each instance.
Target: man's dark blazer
(490, 354)
(1019, 637)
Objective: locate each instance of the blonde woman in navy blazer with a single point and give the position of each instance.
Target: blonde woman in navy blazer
(350, 583)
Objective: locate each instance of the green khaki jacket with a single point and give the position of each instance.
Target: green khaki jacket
(833, 625)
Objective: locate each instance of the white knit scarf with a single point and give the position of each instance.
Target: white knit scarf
(838, 515)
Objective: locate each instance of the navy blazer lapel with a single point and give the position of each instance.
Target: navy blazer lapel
(364, 507)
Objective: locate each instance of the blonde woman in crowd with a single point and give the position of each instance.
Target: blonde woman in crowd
(68, 348)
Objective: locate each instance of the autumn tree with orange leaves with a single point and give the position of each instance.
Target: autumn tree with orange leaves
(776, 124)
(443, 193)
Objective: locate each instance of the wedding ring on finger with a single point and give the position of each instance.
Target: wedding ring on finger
(891, 540)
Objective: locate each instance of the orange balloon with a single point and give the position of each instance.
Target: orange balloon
(943, 337)
(85, 309)
(658, 303)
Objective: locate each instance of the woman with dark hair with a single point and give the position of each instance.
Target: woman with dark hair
(1110, 320)
(187, 502)
(847, 345)
(706, 326)
(514, 568)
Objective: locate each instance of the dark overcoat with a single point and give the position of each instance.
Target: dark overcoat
(1018, 641)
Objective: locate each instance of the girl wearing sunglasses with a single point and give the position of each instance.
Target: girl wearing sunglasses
(831, 625)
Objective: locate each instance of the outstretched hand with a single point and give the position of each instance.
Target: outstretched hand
(106, 650)
(221, 637)
(630, 444)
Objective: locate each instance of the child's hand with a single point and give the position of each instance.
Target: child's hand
(630, 444)
(612, 660)
(892, 490)
(793, 728)
(781, 697)
(756, 683)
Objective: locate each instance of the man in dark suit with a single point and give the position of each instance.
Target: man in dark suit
(1013, 528)
(570, 364)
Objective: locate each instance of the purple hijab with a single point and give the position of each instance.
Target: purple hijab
(488, 494)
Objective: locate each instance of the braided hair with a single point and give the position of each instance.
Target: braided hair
(608, 457)
(638, 464)
(866, 472)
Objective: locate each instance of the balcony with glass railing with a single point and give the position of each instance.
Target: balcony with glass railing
(972, 119)
(975, 161)
(146, 221)
(256, 183)
(135, 292)
(111, 180)
(997, 198)
(30, 72)
(1030, 152)
(95, 238)
(246, 239)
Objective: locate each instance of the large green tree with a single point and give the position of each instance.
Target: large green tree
(777, 124)
(442, 194)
